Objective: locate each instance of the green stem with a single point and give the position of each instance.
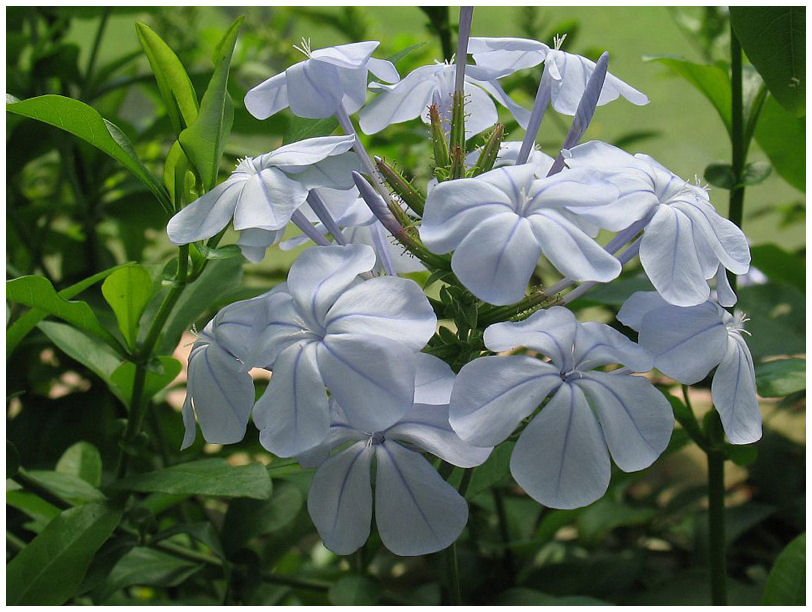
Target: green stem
(91, 63)
(716, 514)
(14, 542)
(504, 533)
(738, 145)
(143, 356)
(453, 572)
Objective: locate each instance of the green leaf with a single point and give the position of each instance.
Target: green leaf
(247, 518)
(355, 591)
(203, 141)
(779, 265)
(215, 477)
(31, 504)
(520, 596)
(221, 277)
(782, 137)
(711, 81)
(28, 321)
(720, 175)
(741, 454)
(37, 291)
(173, 82)
(12, 459)
(492, 471)
(774, 39)
(777, 319)
(83, 121)
(50, 569)
(83, 461)
(85, 349)
(160, 372)
(127, 291)
(781, 377)
(225, 252)
(300, 128)
(146, 566)
(786, 584)
(605, 515)
(67, 486)
(204, 532)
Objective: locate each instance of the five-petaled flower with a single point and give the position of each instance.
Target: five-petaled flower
(561, 456)
(687, 343)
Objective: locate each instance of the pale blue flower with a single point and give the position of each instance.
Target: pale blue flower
(416, 511)
(327, 327)
(685, 241)
(500, 222)
(561, 457)
(687, 343)
(330, 80)
(434, 84)
(264, 192)
(568, 73)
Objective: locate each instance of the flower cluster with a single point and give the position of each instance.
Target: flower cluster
(356, 381)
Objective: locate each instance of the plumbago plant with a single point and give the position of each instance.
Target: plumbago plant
(392, 394)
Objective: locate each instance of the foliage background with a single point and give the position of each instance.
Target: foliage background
(71, 213)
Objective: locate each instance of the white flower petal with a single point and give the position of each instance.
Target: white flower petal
(352, 55)
(283, 327)
(401, 103)
(416, 511)
(268, 200)
(371, 378)
(521, 114)
(637, 306)
(570, 249)
(293, 415)
(496, 260)
(434, 380)
(383, 69)
(734, 393)
(551, 332)
(427, 428)
(686, 342)
(668, 255)
(189, 426)
(724, 292)
(268, 98)
(340, 499)
(321, 274)
(636, 419)
(480, 110)
(455, 208)
(222, 393)
(560, 459)
(207, 215)
(314, 89)
(493, 394)
(597, 345)
(253, 242)
(506, 55)
(334, 172)
(297, 156)
(389, 307)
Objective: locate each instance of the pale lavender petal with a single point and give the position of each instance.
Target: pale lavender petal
(352, 55)
(389, 307)
(686, 342)
(455, 208)
(383, 69)
(668, 255)
(334, 172)
(189, 426)
(340, 499)
(724, 292)
(314, 89)
(570, 249)
(253, 242)
(222, 394)
(321, 274)
(597, 345)
(416, 511)
(268, 98)
(293, 415)
(207, 215)
(551, 332)
(297, 156)
(734, 393)
(284, 327)
(493, 394)
(267, 201)
(636, 419)
(506, 55)
(403, 102)
(371, 378)
(637, 306)
(496, 260)
(520, 114)
(480, 110)
(560, 459)
(434, 380)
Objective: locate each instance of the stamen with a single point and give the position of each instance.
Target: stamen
(304, 48)
(558, 41)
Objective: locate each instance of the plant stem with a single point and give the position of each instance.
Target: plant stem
(453, 572)
(716, 513)
(738, 146)
(504, 533)
(91, 63)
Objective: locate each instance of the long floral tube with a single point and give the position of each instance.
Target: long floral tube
(585, 111)
(536, 116)
(307, 228)
(318, 207)
(466, 16)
